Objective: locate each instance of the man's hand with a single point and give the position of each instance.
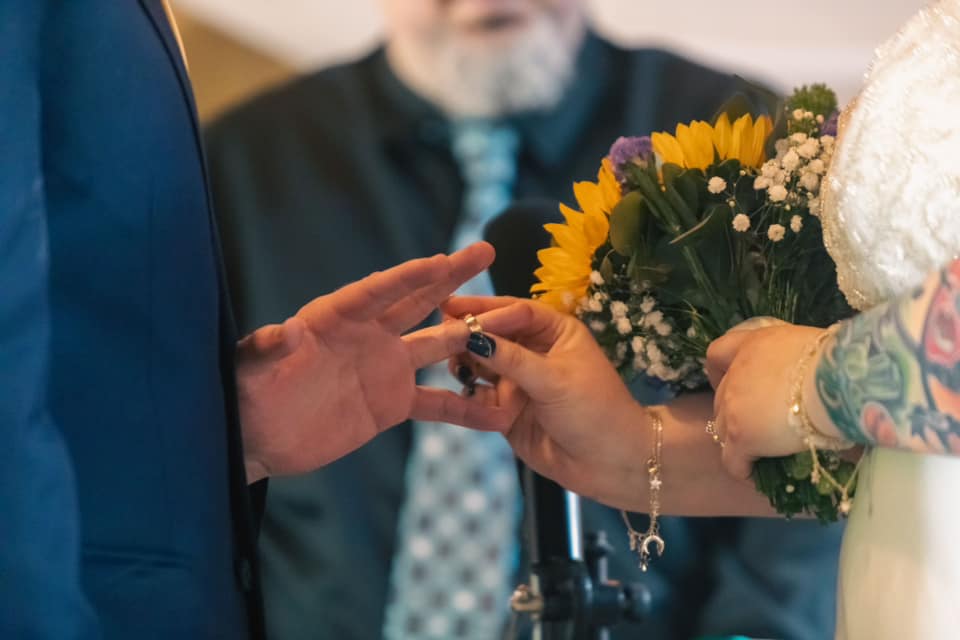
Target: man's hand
(338, 373)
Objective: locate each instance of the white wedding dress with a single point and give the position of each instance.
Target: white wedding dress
(891, 216)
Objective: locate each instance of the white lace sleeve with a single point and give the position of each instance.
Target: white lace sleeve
(891, 209)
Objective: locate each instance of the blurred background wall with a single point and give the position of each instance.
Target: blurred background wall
(237, 47)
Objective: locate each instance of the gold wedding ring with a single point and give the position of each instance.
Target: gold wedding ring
(472, 323)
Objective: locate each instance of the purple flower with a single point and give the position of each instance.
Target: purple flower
(629, 150)
(829, 127)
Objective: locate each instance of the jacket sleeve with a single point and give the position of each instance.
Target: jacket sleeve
(40, 592)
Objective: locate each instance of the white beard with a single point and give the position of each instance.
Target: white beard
(530, 75)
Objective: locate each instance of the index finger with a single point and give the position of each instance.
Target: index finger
(459, 306)
(370, 297)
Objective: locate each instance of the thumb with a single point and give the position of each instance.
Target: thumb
(270, 343)
(737, 465)
(529, 370)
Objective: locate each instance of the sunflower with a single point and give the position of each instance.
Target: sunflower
(564, 274)
(695, 146)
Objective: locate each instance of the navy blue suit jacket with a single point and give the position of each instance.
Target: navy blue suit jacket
(120, 335)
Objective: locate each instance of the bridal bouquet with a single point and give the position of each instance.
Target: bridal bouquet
(685, 235)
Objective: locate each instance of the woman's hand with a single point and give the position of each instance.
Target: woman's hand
(753, 372)
(569, 416)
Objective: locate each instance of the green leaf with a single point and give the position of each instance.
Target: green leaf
(800, 465)
(735, 106)
(684, 212)
(712, 227)
(607, 269)
(670, 172)
(689, 186)
(627, 222)
(817, 98)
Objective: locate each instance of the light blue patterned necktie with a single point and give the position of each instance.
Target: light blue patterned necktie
(457, 541)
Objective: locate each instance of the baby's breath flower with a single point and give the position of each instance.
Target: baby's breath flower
(716, 185)
(761, 183)
(598, 326)
(654, 353)
(778, 193)
(769, 169)
(663, 328)
(817, 166)
(810, 181)
(741, 222)
(653, 319)
(776, 232)
(798, 138)
(809, 149)
(692, 332)
(647, 304)
(624, 326)
(790, 160)
(637, 344)
(798, 114)
(594, 305)
(596, 278)
(618, 309)
(796, 223)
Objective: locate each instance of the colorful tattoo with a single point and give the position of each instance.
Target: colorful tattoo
(891, 377)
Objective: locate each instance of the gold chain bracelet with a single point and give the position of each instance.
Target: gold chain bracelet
(640, 542)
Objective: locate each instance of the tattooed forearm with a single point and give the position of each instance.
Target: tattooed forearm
(891, 376)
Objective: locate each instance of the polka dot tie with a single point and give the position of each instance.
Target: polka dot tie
(457, 539)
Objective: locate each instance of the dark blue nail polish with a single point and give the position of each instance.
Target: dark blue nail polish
(482, 345)
(465, 374)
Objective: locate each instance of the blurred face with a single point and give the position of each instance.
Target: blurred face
(485, 57)
(478, 23)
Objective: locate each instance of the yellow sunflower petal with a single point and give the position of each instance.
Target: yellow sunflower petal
(596, 228)
(573, 217)
(762, 129)
(742, 134)
(609, 187)
(722, 135)
(588, 196)
(568, 238)
(667, 148)
(701, 139)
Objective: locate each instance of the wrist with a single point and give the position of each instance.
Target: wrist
(810, 394)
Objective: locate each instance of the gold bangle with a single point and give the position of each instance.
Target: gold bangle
(797, 414)
(640, 542)
(812, 437)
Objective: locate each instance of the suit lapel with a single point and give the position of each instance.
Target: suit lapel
(246, 516)
(158, 15)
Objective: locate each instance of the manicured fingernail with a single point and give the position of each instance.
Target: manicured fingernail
(482, 345)
(465, 374)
